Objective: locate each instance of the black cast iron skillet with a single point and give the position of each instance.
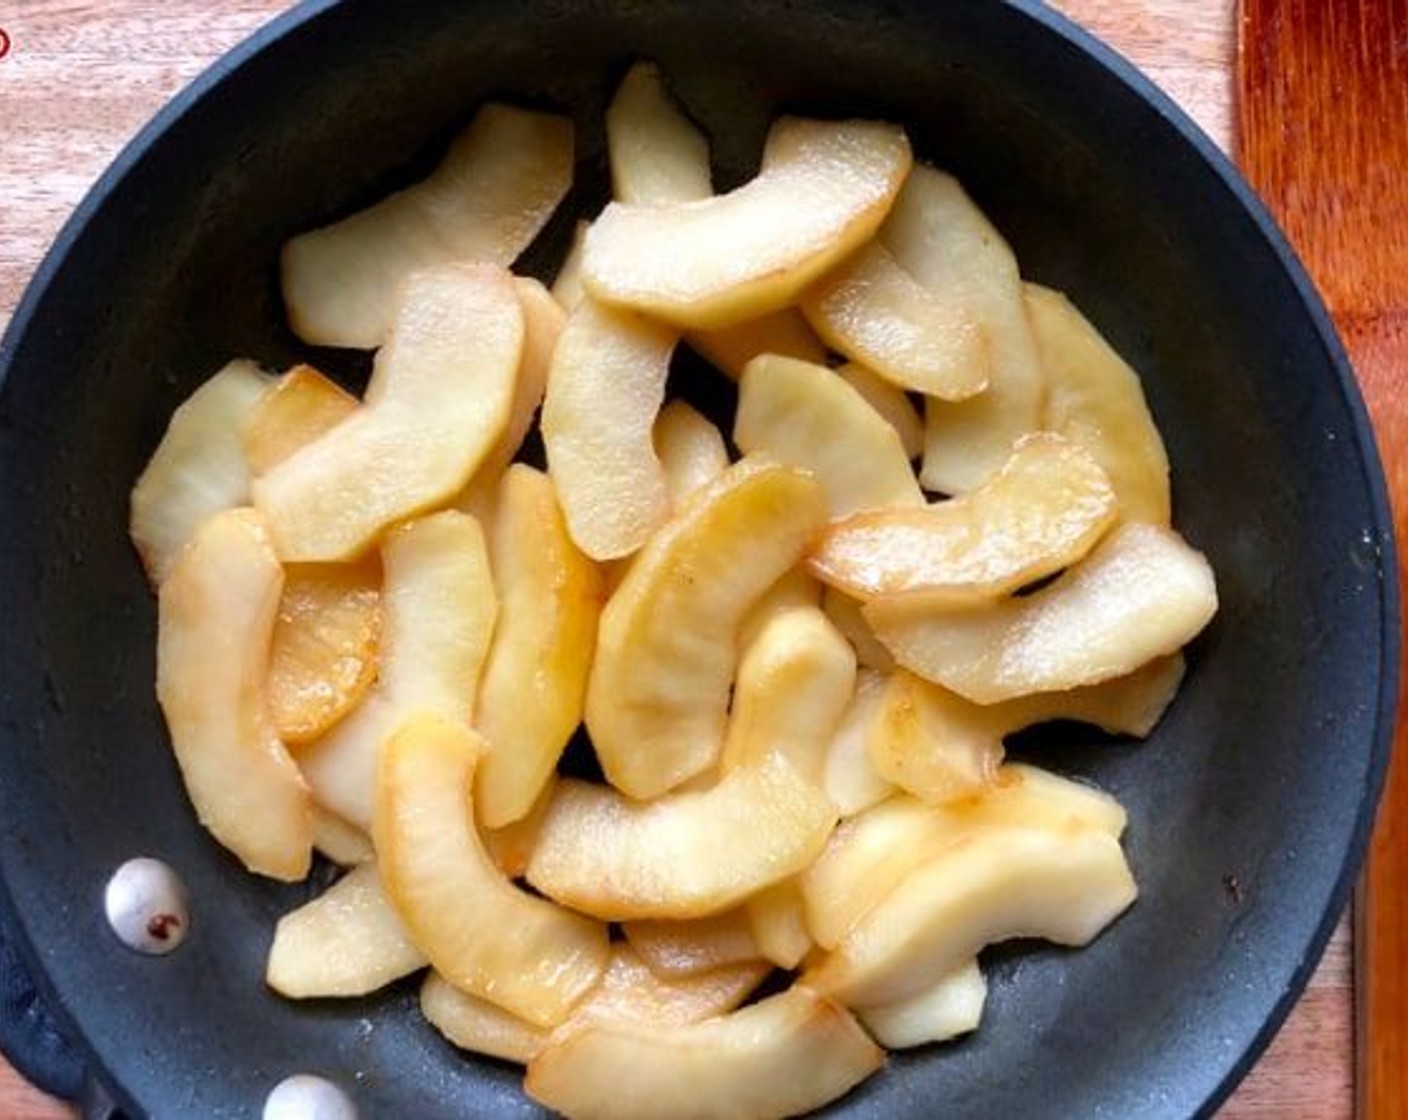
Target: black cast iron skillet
(1249, 806)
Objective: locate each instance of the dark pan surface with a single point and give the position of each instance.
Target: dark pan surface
(1249, 806)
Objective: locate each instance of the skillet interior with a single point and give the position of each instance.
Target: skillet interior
(1265, 769)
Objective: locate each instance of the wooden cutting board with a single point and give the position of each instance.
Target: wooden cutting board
(81, 76)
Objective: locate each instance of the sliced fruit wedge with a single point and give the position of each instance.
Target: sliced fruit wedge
(779, 919)
(691, 450)
(298, 408)
(535, 682)
(682, 856)
(688, 948)
(1095, 399)
(794, 590)
(657, 701)
(511, 847)
(438, 400)
(324, 653)
(567, 285)
(785, 332)
(824, 189)
(872, 311)
(199, 467)
(787, 1055)
(216, 611)
(605, 388)
(943, 240)
(806, 416)
(439, 610)
(925, 741)
(339, 840)
(888, 400)
(850, 778)
(656, 154)
(845, 614)
(1064, 885)
(479, 931)
(952, 1006)
(495, 189)
(346, 942)
(1041, 512)
(1143, 593)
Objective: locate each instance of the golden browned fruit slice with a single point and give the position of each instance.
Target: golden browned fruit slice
(890, 402)
(845, 613)
(1096, 400)
(1143, 593)
(807, 416)
(687, 948)
(298, 408)
(872, 311)
(1041, 512)
(438, 400)
(216, 611)
(784, 332)
(941, 239)
(605, 388)
(794, 590)
(787, 1055)
(850, 778)
(535, 682)
(339, 840)
(779, 920)
(691, 450)
(511, 847)
(917, 742)
(495, 189)
(543, 320)
(628, 992)
(477, 929)
(198, 469)
(824, 189)
(438, 614)
(324, 649)
(657, 701)
(567, 286)
(682, 856)
(346, 942)
(952, 1006)
(656, 153)
(795, 679)
(1062, 884)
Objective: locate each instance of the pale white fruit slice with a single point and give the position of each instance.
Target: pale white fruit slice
(787, 1055)
(1062, 884)
(346, 942)
(1096, 400)
(1143, 593)
(845, 613)
(628, 992)
(952, 1006)
(824, 189)
(850, 778)
(216, 611)
(872, 311)
(691, 450)
(657, 701)
(941, 239)
(199, 467)
(1041, 512)
(795, 679)
(438, 400)
(439, 609)
(477, 929)
(656, 154)
(340, 841)
(918, 742)
(567, 285)
(889, 401)
(605, 388)
(535, 682)
(785, 332)
(511, 847)
(688, 948)
(681, 856)
(543, 320)
(299, 407)
(794, 590)
(808, 417)
(495, 189)
(778, 917)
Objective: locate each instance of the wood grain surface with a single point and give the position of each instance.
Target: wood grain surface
(1324, 137)
(81, 76)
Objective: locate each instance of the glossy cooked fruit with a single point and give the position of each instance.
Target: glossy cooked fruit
(296, 409)
(845, 613)
(685, 855)
(918, 742)
(691, 450)
(824, 188)
(730, 349)
(850, 778)
(340, 841)
(778, 917)
(951, 1006)
(216, 611)
(494, 190)
(695, 945)
(656, 154)
(438, 399)
(888, 400)
(477, 929)
(784, 1056)
(657, 701)
(1143, 593)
